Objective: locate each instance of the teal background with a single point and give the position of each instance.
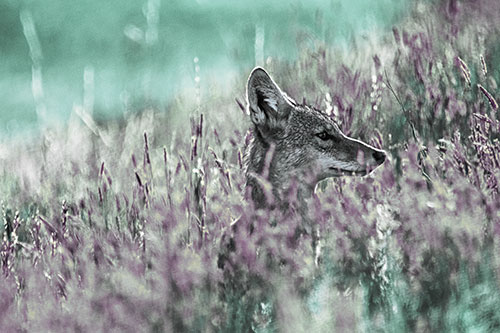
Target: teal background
(142, 52)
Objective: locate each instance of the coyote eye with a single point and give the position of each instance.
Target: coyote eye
(323, 136)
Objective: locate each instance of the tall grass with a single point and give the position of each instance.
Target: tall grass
(141, 224)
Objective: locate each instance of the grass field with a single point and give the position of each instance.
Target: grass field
(118, 225)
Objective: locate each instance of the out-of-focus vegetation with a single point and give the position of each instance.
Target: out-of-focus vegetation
(120, 225)
(135, 53)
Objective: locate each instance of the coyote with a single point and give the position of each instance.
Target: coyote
(295, 146)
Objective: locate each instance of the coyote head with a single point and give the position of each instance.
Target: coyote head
(305, 144)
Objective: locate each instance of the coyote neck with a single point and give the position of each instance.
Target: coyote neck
(270, 186)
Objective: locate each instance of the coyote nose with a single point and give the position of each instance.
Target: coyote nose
(379, 157)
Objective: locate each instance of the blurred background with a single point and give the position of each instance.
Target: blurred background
(119, 56)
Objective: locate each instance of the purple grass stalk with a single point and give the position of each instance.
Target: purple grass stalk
(50, 228)
(108, 178)
(397, 37)
(138, 178)
(54, 235)
(118, 205)
(217, 161)
(240, 160)
(178, 168)
(248, 138)
(221, 167)
(147, 160)
(228, 179)
(89, 215)
(217, 138)
(194, 140)
(491, 99)
(167, 171)
(61, 286)
(200, 126)
(64, 219)
(101, 170)
(194, 150)
(134, 161)
(465, 70)
(104, 188)
(125, 200)
(483, 65)
(240, 105)
(376, 61)
(406, 37)
(482, 118)
(184, 164)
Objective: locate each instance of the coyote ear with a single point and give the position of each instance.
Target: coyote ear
(266, 102)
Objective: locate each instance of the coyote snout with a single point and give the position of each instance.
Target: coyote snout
(297, 144)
